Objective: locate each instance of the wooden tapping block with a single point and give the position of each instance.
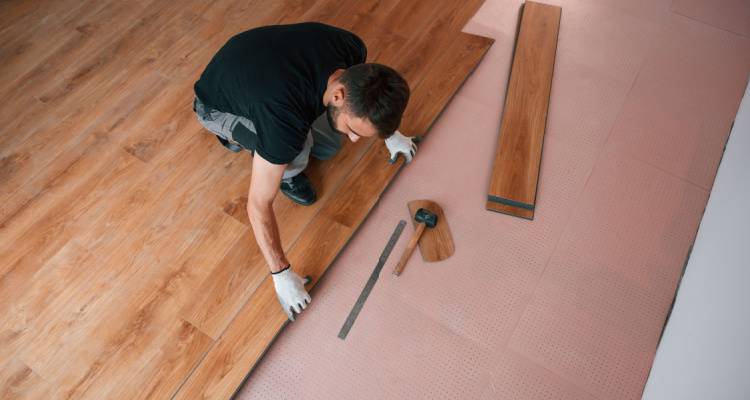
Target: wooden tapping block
(436, 243)
(513, 185)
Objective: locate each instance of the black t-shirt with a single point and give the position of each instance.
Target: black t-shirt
(276, 76)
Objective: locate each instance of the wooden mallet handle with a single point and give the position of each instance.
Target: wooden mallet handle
(409, 249)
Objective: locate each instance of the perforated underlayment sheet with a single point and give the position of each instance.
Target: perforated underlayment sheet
(571, 304)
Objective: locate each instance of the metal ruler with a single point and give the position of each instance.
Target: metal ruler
(371, 282)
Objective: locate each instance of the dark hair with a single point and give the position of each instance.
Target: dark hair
(378, 93)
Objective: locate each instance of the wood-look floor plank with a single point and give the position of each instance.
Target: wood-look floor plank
(441, 28)
(64, 225)
(135, 255)
(163, 125)
(515, 171)
(23, 299)
(319, 11)
(228, 288)
(106, 293)
(29, 52)
(32, 116)
(26, 28)
(97, 71)
(437, 89)
(140, 215)
(257, 323)
(53, 230)
(213, 25)
(51, 138)
(162, 291)
(162, 375)
(37, 162)
(61, 76)
(113, 180)
(70, 197)
(373, 21)
(18, 381)
(129, 327)
(291, 11)
(403, 16)
(131, 217)
(93, 27)
(91, 140)
(15, 10)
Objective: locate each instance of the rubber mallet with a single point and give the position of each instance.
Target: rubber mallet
(425, 219)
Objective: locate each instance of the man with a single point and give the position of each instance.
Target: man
(287, 92)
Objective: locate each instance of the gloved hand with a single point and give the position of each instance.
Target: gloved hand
(399, 143)
(290, 289)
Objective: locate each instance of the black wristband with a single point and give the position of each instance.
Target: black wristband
(282, 270)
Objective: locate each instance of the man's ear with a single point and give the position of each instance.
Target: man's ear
(339, 95)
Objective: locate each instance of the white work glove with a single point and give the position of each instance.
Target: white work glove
(290, 289)
(399, 143)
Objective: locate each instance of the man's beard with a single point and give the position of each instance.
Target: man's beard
(332, 113)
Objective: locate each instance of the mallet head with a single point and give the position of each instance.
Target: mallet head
(426, 217)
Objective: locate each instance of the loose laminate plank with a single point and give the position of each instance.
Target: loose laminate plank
(513, 185)
(247, 338)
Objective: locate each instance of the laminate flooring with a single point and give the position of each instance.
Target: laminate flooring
(128, 268)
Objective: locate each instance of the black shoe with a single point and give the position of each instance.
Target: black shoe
(233, 147)
(299, 189)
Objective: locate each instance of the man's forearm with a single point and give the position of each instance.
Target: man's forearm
(266, 231)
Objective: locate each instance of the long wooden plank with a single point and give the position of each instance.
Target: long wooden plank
(243, 343)
(513, 185)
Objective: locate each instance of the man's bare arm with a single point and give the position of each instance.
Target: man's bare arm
(264, 185)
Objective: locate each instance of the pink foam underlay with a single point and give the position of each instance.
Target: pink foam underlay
(731, 15)
(571, 304)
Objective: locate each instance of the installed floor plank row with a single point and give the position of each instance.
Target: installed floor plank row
(125, 251)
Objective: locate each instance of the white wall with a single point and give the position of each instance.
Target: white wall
(705, 351)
